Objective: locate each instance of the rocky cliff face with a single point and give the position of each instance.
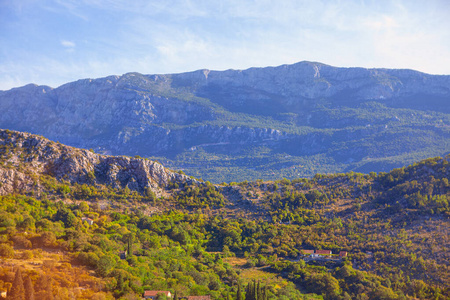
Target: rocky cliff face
(301, 109)
(103, 108)
(311, 80)
(25, 156)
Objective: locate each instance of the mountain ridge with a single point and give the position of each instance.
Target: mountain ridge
(329, 119)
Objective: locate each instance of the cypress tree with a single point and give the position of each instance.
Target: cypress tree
(49, 290)
(41, 283)
(248, 291)
(29, 290)
(129, 238)
(251, 291)
(17, 289)
(42, 287)
(239, 293)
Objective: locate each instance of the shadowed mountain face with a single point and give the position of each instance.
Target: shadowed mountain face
(286, 121)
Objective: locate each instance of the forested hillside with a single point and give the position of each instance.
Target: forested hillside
(78, 225)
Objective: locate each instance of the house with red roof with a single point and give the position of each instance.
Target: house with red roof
(153, 294)
(88, 220)
(323, 252)
(342, 254)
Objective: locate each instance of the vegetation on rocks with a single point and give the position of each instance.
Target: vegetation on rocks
(231, 241)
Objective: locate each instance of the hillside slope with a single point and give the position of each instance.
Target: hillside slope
(287, 121)
(196, 238)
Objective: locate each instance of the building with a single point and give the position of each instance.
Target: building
(199, 298)
(323, 252)
(2, 294)
(123, 254)
(88, 220)
(153, 294)
(307, 252)
(343, 254)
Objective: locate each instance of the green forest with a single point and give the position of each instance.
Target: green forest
(62, 239)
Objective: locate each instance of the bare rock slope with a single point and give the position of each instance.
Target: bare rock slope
(25, 156)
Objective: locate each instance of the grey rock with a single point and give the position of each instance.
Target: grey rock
(30, 154)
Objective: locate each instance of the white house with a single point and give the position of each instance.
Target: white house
(88, 220)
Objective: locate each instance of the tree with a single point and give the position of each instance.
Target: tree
(44, 288)
(150, 195)
(48, 239)
(28, 223)
(49, 291)
(29, 290)
(105, 265)
(239, 292)
(84, 207)
(250, 292)
(161, 296)
(129, 237)
(18, 289)
(6, 251)
(66, 216)
(324, 283)
(254, 291)
(382, 292)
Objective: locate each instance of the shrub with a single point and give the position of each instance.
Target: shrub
(6, 251)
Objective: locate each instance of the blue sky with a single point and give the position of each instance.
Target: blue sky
(52, 42)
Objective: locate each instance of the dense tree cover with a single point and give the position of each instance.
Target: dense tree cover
(166, 251)
(195, 196)
(422, 186)
(186, 245)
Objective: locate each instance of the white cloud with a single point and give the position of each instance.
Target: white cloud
(380, 23)
(68, 44)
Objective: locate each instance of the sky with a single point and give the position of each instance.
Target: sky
(52, 42)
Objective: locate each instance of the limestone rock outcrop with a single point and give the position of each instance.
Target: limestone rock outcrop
(26, 156)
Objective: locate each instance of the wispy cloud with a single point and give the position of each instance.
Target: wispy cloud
(68, 44)
(69, 7)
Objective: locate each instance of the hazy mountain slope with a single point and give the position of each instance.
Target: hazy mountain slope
(286, 121)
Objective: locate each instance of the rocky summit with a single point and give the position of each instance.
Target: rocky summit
(31, 156)
(286, 121)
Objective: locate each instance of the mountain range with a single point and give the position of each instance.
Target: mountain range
(287, 121)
